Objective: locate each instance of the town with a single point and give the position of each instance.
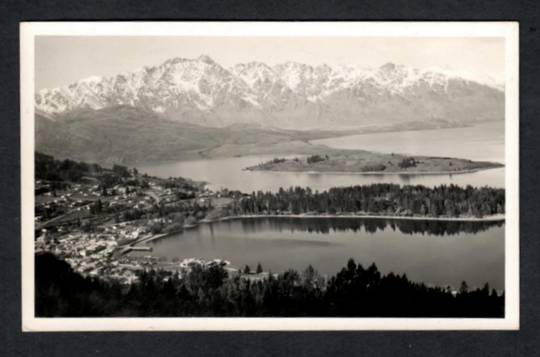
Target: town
(98, 220)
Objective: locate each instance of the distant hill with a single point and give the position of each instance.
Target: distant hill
(288, 95)
(130, 135)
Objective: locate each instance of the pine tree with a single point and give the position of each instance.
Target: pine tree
(464, 288)
(259, 268)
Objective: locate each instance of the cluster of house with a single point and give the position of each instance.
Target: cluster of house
(99, 253)
(124, 232)
(96, 255)
(79, 197)
(51, 202)
(88, 254)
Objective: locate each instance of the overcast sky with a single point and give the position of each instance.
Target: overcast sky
(61, 60)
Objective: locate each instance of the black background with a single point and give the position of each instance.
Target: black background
(525, 342)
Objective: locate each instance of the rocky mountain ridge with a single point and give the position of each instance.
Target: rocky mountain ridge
(287, 95)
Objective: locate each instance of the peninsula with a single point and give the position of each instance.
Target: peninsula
(365, 162)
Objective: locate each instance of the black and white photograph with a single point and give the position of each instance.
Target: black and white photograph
(269, 176)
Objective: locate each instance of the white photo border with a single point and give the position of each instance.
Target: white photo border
(507, 30)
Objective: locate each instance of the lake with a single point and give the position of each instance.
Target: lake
(481, 142)
(438, 253)
(433, 252)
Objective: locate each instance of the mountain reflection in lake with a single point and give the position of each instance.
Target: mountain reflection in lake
(434, 252)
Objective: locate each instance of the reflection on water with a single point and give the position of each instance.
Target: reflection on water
(434, 252)
(373, 225)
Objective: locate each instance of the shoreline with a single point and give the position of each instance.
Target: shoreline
(382, 173)
(494, 218)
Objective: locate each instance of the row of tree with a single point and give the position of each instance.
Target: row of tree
(60, 172)
(354, 291)
(48, 168)
(382, 199)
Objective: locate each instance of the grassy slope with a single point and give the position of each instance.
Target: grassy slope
(128, 135)
(132, 136)
(371, 162)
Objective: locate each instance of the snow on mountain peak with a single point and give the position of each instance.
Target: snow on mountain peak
(91, 79)
(467, 75)
(188, 88)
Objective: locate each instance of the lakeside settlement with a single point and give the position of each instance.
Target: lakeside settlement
(93, 217)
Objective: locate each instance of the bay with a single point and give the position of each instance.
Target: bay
(433, 252)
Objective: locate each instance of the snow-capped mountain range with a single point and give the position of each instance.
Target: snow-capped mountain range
(289, 95)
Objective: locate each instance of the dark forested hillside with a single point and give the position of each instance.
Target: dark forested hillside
(48, 168)
(353, 291)
(380, 199)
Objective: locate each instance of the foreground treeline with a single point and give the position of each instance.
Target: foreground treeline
(383, 199)
(354, 291)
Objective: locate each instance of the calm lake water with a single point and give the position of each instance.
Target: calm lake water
(482, 142)
(440, 253)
